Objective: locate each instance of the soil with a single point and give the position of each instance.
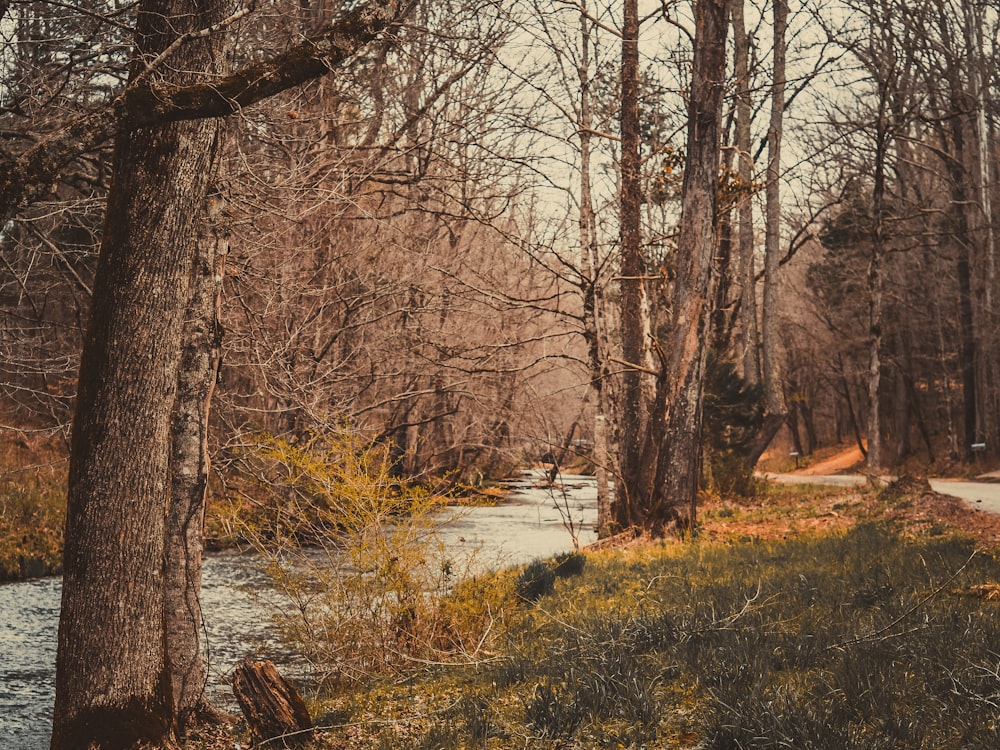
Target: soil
(908, 503)
(845, 460)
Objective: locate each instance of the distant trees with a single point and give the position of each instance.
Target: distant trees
(916, 200)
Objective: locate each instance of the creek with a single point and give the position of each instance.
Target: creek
(236, 598)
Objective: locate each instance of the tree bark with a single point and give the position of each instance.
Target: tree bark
(629, 496)
(775, 407)
(189, 472)
(272, 707)
(677, 431)
(112, 673)
(592, 293)
(875, 304)
(745, 245)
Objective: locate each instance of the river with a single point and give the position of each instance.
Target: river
(526, 526)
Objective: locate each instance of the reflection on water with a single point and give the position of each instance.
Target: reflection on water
(528, 526)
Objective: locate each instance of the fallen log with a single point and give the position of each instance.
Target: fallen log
(275, 712)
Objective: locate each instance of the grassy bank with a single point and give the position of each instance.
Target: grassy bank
(817, 620)
(854, 640)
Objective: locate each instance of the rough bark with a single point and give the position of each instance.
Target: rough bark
(189, 471)
(677, 432)
(271, 705)
(112, 674)
(630, 492)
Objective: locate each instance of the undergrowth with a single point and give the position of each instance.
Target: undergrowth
(32, 515)
(859, 639)
(354, 549)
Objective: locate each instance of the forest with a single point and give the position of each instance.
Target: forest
(656, 238)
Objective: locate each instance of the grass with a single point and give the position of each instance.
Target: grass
(32, 516)
(856, 638)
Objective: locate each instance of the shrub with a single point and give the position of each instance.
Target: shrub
(354, 549)
(536, 580)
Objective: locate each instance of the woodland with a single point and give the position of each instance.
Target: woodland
(473, 235)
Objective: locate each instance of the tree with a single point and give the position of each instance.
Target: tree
(680, 385)
(112, 663)
(750, 354)
(632, 488)
(113, 674)
(663, 482)
(768, 358)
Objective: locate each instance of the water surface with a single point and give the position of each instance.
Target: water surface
(528, 525)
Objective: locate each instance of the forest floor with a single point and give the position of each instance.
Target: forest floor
(573, 670)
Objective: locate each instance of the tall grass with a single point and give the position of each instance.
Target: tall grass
(32, 515)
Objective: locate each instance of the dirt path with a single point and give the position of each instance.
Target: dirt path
(838, 463)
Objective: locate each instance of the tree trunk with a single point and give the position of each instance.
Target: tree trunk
(630, 493)
(744, 170)
(774, 397)
(792, 420)
(677, 432)
(592, 293)
(272, 707)
(112, 680)
(981, 226)
(189, 469)
(968, 352)
(875, 303)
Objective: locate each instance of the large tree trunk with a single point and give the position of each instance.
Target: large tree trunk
(189, 469)
(677, 431)
(630, 493)
(112, 680)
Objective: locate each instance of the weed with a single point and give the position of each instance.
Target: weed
(354, 550)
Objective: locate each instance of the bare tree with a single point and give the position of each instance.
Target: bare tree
(113, 674)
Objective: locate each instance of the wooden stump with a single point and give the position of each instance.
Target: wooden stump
(274, 710)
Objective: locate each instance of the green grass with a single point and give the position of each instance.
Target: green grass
(856, 640)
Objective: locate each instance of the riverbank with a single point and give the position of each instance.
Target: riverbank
(242, 608)
(808, 616)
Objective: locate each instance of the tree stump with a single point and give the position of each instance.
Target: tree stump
(273, 708)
